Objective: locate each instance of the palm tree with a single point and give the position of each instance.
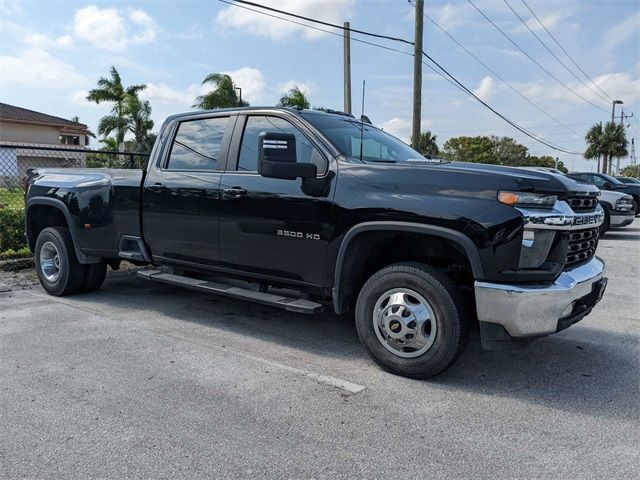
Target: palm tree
(135, 118)
(427, 144)
(112, 90)
(294, 98)
(223, 95)
(607, 142)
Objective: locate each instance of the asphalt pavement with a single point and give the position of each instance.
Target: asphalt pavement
(147, 380)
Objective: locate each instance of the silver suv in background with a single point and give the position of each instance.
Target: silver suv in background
(618, 207)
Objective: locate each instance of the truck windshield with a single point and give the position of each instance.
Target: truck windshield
(345, 133)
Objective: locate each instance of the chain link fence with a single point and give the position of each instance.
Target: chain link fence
(16, 159)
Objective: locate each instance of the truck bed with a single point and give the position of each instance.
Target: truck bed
(102, 204)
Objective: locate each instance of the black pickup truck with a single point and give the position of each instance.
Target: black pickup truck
(303, 209)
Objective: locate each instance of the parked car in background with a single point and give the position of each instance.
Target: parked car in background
(617, 206)
(607, 182)
(634, 181)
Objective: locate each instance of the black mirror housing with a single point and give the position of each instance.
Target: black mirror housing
(277, 157)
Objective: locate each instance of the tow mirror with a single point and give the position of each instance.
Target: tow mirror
(277, 157)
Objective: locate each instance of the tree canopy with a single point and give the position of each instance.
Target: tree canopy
(223, 95)
(606, 142)
(111, 90)
(427, 144)
(294, 98)
(495, 150)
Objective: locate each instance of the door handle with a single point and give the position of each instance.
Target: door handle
(156, 187)
(235, 192)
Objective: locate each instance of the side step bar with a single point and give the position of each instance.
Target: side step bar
(290, 304)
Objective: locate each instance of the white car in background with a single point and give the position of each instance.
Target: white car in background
(618, 207)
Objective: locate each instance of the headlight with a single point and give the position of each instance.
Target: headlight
(624, 203)
(523, 199)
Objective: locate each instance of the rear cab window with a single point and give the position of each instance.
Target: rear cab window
(197, 143)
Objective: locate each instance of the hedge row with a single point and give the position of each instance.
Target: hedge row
(12, 230)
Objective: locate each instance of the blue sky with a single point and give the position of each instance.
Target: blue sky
(52, 52)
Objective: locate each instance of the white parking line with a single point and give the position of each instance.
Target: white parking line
(335, 382)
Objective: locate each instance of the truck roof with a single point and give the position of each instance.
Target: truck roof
(326, 111)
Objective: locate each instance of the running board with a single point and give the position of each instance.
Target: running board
(290, 304)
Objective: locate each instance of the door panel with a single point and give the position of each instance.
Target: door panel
(275, 228)
(181, 196)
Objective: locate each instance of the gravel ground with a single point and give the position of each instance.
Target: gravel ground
(146, 380)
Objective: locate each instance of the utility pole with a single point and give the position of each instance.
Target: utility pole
(417, 76)
(347, 67)
(622, 117)
(607, 160)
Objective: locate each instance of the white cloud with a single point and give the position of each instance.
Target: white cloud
(64, 41)
(486, 88)
(247, 21)
(549, 20)
(251, 80)
(10, 7)
(36, 67)
(618, 85)
(400, 127)
(107, 28)
(305, 87)
(143, 20)
(103, 27)
(620, 33)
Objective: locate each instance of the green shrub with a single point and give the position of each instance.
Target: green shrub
(12, 230)
(11, 254)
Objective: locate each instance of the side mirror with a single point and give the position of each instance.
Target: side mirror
(607, 185)
(277, 157)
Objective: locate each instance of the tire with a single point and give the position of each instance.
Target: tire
(441, 339)
(606, 225)
(94, 274)
(57, 267)
(636, 207)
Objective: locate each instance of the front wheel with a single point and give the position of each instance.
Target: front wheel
(410, 317)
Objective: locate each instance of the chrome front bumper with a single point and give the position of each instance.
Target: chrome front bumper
(534, 310)
(619, 219)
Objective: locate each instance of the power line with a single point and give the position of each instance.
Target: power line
(496, 74)
(449, 77)
(326, 24)
(533, 59)
(563, 50)
(552, 52)
(510, 122)
(316, 28)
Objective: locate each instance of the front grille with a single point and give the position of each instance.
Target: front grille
(582, 246)
(582, 203)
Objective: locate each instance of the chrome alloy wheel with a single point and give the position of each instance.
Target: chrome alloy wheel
(404, 322)
(50, 262)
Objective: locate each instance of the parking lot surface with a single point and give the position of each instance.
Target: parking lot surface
(145, 380)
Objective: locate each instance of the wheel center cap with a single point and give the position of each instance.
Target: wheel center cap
(395, 326)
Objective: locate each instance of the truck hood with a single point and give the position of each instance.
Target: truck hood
(500, 176)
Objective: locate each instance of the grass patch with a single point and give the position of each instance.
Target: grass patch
(12, 198)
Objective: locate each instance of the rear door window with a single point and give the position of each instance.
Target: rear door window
(196, 145)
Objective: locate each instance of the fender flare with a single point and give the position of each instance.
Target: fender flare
(435, 231)
(59, 205)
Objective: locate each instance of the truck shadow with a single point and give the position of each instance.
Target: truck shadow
(620, 235)
(588, 370)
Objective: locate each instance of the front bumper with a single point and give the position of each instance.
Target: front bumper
(536, 310)
(621, 219)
